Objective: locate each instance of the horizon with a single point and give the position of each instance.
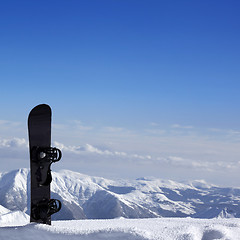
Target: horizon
(136, 88)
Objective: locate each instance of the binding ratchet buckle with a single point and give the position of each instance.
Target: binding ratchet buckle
(51, 154)
(48, 154)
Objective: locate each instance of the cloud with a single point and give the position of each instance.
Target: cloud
(7, 124)
(16, 148)
(13, 143)
(13, 153)
(90, 149)
(209, 166)
(100, 155)
(80, 126)
(177, 151)
(181, 127)
(172, 130)
(75, 124)
(113, 129)
(224, 131)
(10, 126)
(12, 129)
(154, 124)
(111, 151)
(156, 131)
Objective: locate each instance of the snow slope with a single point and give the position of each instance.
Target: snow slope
(15, 226)
(86, 197)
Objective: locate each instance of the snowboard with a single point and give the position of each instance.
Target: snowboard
(42, 155)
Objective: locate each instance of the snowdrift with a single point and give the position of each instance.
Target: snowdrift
(16, 226)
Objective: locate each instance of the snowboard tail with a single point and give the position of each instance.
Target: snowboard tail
(42, 155)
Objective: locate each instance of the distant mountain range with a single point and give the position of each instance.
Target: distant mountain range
(98, 198)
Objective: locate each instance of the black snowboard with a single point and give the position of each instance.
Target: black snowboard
(42, 155)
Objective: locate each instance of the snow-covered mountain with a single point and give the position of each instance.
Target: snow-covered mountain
(98, 198)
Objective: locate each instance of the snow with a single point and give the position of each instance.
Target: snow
(90, 197)
(16, 218)
(15, 225)
(85, 196)
(3, 210)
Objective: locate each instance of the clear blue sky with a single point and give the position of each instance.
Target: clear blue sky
(129, 64)
(122, 62)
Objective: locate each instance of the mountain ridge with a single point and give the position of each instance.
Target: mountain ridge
(86, 197)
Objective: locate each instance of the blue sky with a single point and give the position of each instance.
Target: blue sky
(120, 71)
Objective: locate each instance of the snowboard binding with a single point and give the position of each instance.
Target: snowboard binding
(44, 209)
(44, 157)
(49, 154)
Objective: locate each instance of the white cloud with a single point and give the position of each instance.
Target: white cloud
(13, 143)
(107, 155)
(13, 153)
(156, 131)
(75, 124)
(9, 127)
(6, 123)
(113, 129)
(12, 129)
(209, 166)
(89, 149)
(154, 124)
(102, 151)
(177, 151)
(80, 126)
(181, 127)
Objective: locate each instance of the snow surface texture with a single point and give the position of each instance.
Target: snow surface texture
(15, 225)
(86, 197)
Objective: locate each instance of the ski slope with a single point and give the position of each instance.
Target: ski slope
(15, 225)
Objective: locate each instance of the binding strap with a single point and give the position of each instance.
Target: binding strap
(44, 157)
(50, 154)
(45, 208)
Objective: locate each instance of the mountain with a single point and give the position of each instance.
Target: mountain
(98, 198)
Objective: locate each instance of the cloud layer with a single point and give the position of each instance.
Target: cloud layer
(175, 152)
(102, 161)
